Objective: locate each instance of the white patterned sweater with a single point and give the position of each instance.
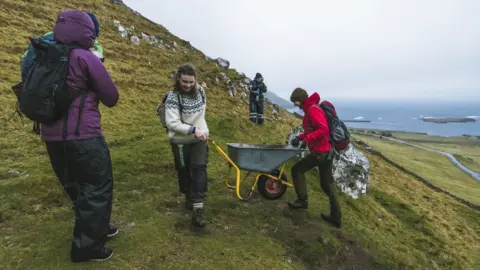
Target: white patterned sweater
(193, 114)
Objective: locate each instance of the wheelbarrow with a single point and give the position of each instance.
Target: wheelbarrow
(267, 160)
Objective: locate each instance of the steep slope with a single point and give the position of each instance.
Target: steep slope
(400, 224)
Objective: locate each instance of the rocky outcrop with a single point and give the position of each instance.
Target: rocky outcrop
(137, 37)
(223, 63)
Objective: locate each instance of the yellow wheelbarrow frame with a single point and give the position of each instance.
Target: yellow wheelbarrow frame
(238, 180)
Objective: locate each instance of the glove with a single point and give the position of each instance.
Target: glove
(303, 145)
(295, 142)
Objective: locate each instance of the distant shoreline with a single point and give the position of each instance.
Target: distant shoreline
(365, 130)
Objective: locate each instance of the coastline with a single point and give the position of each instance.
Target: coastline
(460, 150)
(367, 130)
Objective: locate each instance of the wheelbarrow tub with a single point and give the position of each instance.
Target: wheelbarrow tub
(263, 158)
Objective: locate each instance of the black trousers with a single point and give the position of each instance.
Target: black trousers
(256, 109)
(324, 164)
(191, 164)
(84, 169)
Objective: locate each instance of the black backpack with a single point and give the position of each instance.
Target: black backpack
(45, 96)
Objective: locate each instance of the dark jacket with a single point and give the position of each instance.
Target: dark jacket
(257, 88)
(86, 72)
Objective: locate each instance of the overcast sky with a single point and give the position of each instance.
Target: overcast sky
(344, 49)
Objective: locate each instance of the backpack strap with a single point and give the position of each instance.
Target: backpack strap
(309, 122)
(202, 93)
(180, 107)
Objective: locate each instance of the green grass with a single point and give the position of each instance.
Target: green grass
(400, 224)
(466, 150)
(432, 166)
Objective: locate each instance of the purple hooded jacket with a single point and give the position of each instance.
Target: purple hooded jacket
(75, 26)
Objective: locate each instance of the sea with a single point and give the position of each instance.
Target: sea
(406, 116)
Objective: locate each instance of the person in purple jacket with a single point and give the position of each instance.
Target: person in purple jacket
(76, 147)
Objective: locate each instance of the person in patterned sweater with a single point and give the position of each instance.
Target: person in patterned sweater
(188, 133)
(257, 89)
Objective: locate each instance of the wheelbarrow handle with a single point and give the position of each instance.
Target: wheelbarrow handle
(225, 156)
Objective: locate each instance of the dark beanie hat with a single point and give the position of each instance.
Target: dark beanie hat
(95, 23)
(258, 75)
(299, 94)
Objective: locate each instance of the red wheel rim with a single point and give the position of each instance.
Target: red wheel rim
(273, 186)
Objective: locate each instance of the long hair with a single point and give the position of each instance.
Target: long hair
(186, 69)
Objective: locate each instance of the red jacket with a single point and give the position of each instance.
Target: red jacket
(317, 139)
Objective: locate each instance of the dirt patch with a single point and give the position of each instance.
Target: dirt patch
(350, 255)
(319, 246)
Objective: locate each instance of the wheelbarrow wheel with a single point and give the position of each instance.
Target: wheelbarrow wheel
(271, 189)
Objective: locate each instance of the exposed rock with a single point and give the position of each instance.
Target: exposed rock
(223, 63)
(351, 168)
(123, 32)
(135, 40)
(245, 87)
(224, 75)
(204, 85)
(145, 36)
(13, 173)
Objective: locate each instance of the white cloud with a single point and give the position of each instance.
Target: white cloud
(373, 49)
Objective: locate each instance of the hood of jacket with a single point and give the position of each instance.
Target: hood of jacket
(74, 26)
(314, 99)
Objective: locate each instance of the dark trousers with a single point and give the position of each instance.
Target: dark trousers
(256, 109)
(191, 164)
(324, 165)
(84, 169)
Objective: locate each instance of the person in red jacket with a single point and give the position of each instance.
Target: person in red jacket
(316, 136)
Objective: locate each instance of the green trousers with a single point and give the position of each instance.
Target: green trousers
(324, 164)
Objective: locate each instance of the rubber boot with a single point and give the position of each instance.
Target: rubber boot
(197, 217)
(334, 221)
(335, 217)
(301, 190)
(298, 204)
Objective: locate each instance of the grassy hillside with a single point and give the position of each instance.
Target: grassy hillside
(465, 149)
(401, 224)
(433, 166)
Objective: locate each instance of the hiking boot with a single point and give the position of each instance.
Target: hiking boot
(112, 231)
(197, 217)
(298, 204)
(331, 220)
(103, 254)
(99, 255)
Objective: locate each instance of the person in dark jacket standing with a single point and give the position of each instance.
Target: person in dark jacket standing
(76, 147)
(257, 89)
(29, 56)
(316, 135)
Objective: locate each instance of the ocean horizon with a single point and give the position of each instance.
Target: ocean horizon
(406, 116)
